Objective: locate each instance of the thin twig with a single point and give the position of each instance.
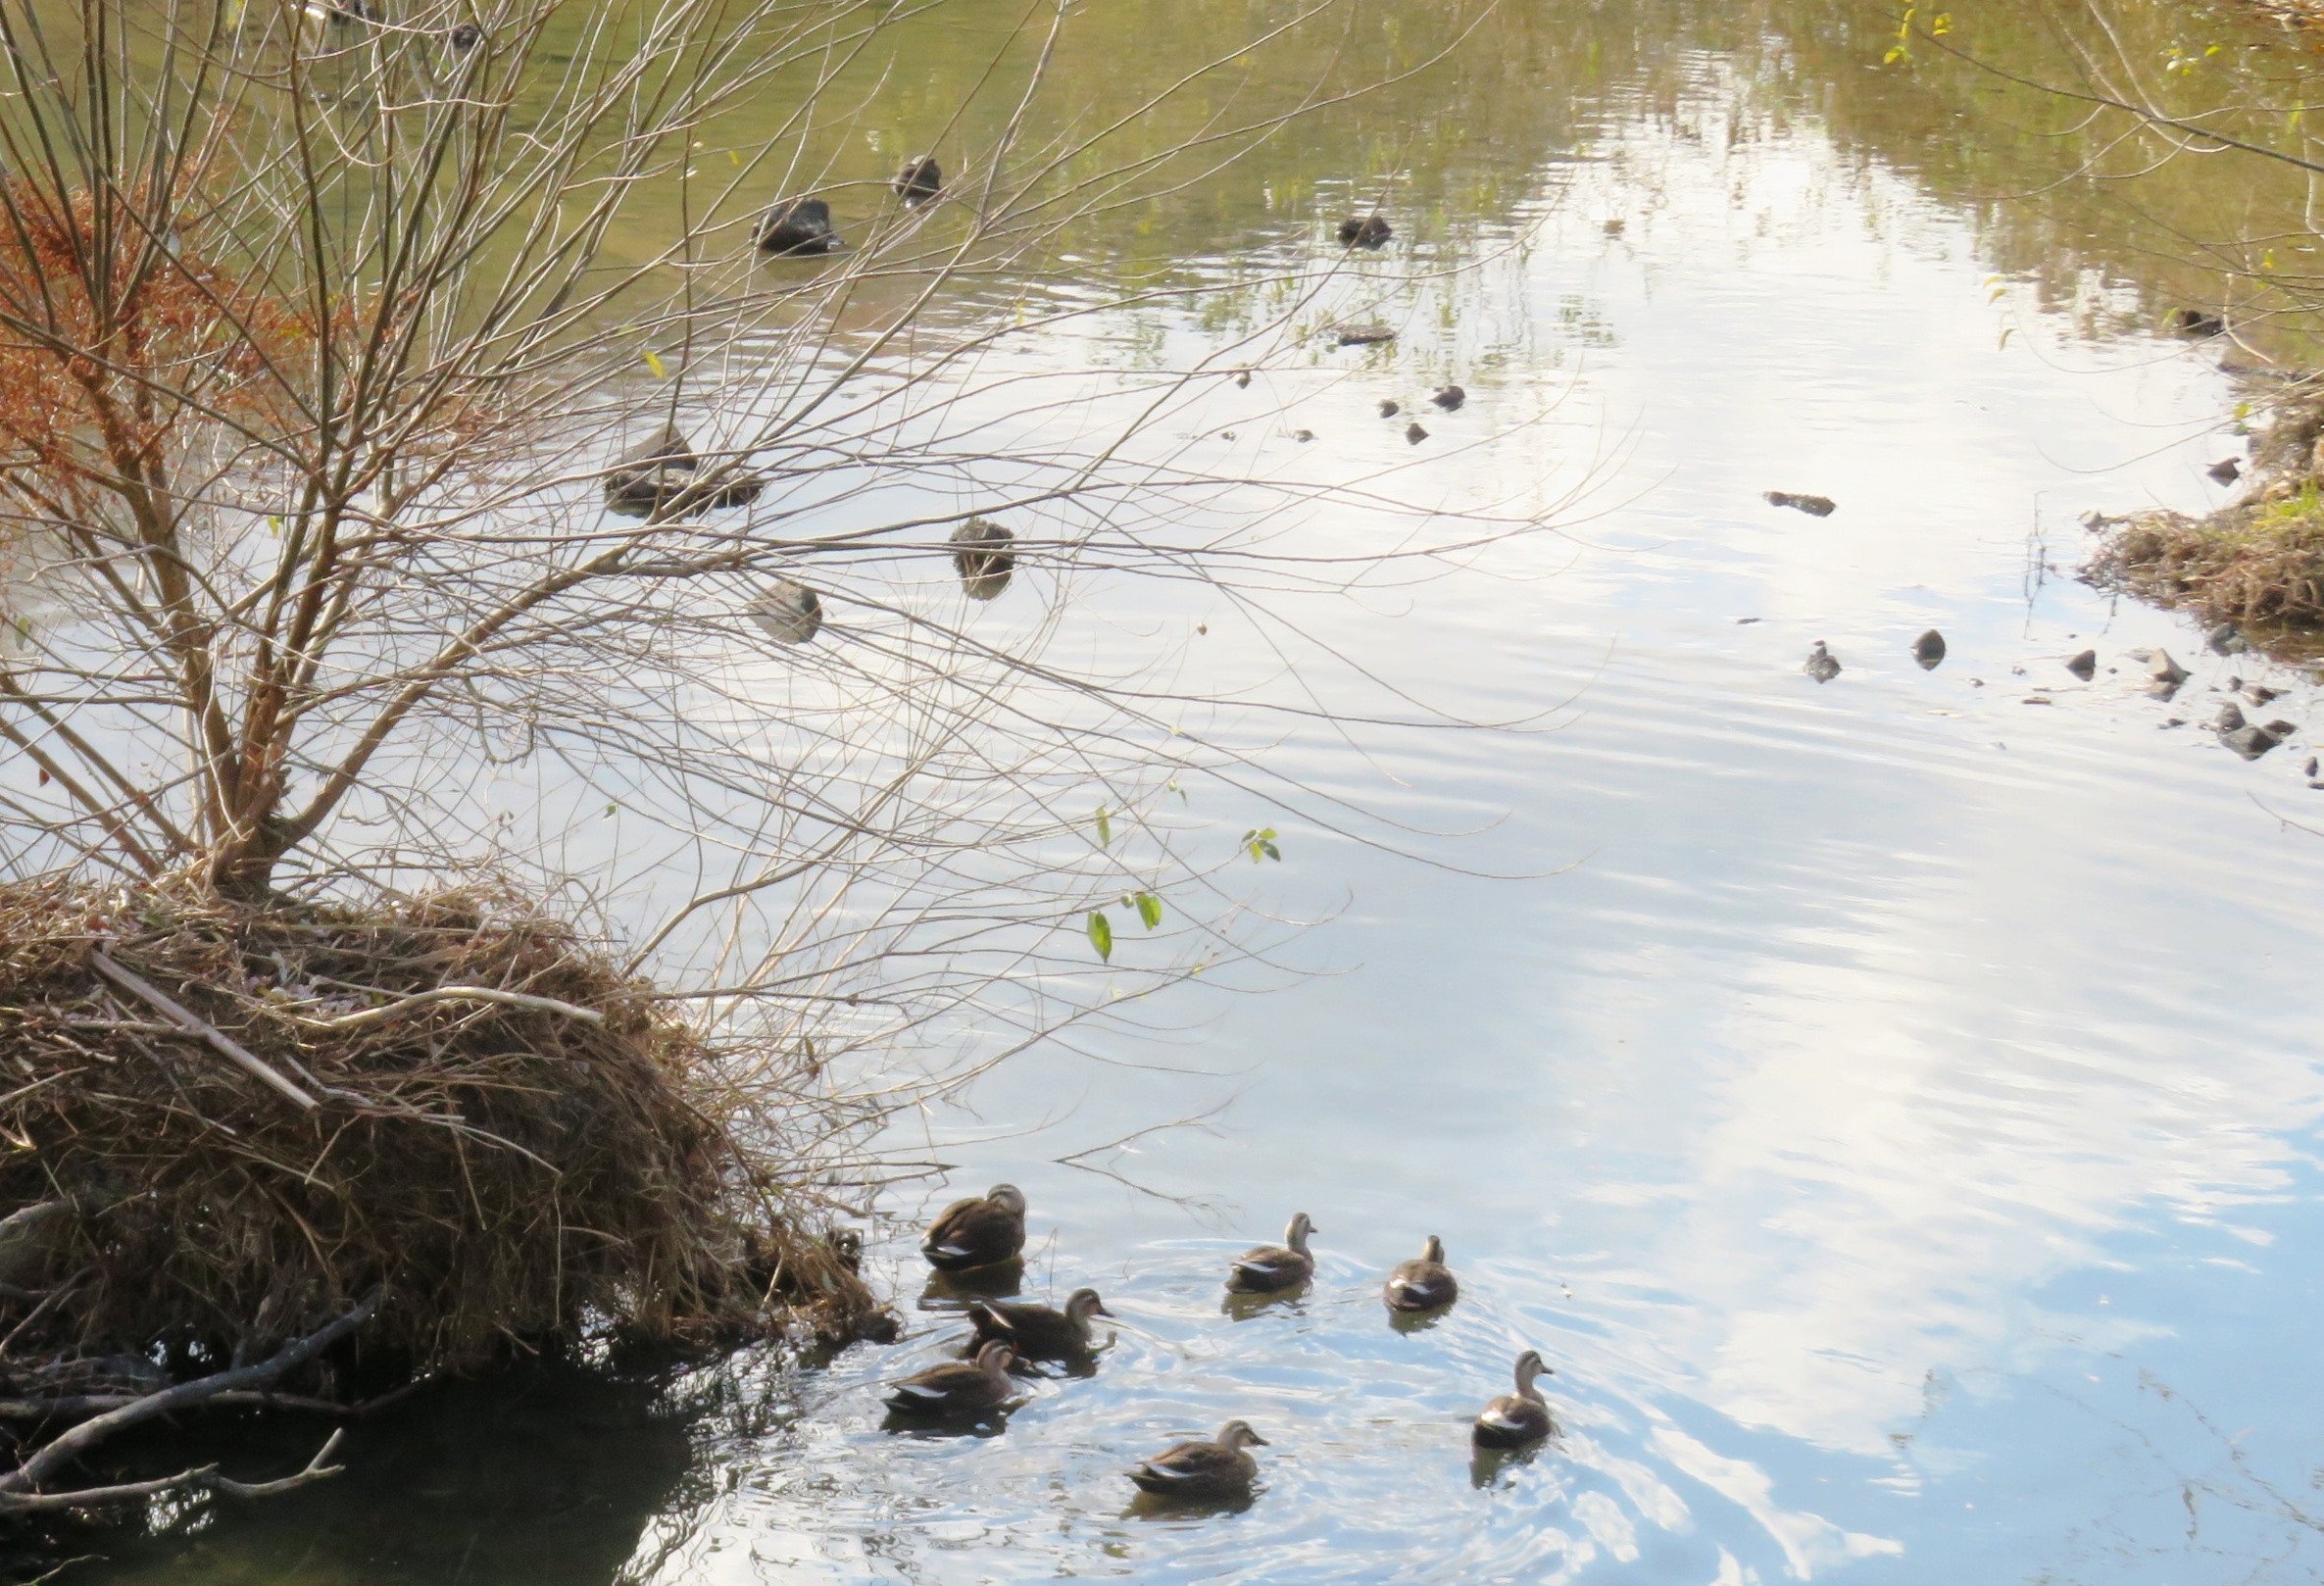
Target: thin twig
(194, 1025)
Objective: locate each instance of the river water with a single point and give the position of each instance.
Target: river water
(1887, 1103)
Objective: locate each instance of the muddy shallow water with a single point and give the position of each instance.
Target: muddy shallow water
(1887, 1103)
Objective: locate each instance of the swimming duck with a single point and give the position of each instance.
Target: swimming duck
(1821, 665)
(1218, 1468)
(1929, 650)
(1038, 1332)
(920, 180)
(1272, 1268)
(1450, 397)
(1371, 231)
(1515, 1419)
(1424, 1283)
(798, 225)
(978, 1231)
(959, 1387)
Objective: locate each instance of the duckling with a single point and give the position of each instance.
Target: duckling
(1272, 1268)
(1216, 1469)
(920, 180)
(1371, 231)
(1037, 1332)
(1515, 1419)
(959, 1387)
(978, 1231)
(1424, 1283)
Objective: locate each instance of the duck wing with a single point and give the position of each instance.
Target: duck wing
(1509, 1420)
(1189, 1467)
(942, 1387)
(1421, 1285)
(952, 1234)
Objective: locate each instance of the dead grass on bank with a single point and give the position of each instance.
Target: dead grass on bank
(2259, 566)
(509, 1140)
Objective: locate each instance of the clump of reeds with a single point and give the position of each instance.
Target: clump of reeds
(221, 1125)
(2257, 566)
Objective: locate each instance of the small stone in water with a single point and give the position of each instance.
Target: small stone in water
(1929, 650)
(1389, 408)
(2164, 676)
(2311, 766)
(2282, 728)
(2084, 665)
(2261, 693)
(1451, 397)
(1302, 436)
(1414, 433)
(2226, 471)
(2250, 742)
(2230, 717)
(1813, 506)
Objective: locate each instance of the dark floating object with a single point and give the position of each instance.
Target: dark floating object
(2226, 470)
(465, 37)
(1821, 663)
(1390, 407)
(1272, 1268)
(1929, 650)
(1414, 433)
(1204, 1472)
(2084, 665)
(959, 1387)
(2197, 323)
(788, 612)
(1813, 506)
(1424, 1283)
(2252, 742)
(1302, 436)
(1364, 335)
(663, 477)
(1516, 1420)
(798, 225)
(1450, 398)
(978, 1231)
(980, 555)
(1038, 1332)
(1371, 231)
(920, 180)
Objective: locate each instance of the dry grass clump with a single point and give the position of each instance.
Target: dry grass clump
(508, 1137)
(2259, 566)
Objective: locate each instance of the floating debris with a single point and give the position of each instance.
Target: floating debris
(1929, 650)
(2084, 665)
(1364, 335)
(1813, 506)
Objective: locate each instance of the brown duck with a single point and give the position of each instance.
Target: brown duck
(978, 1231)
(1516, 1420)
(1424, 1283)
(959, 1387)
(1038, 1332)
(1272, 1268)
(1218, 1468)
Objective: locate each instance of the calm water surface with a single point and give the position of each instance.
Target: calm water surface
(1890, 1105)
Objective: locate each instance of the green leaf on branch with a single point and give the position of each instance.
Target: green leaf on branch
(1148, 907)
(1260, 843)
(1104, 828)
(1101, 934)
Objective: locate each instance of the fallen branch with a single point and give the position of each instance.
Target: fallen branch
(192, 1023)
(202, 1478)
(24, 1482)
(436, 994)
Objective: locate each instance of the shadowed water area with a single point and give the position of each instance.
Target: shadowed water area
(1886, 1103)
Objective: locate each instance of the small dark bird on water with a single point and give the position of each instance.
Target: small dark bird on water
(1424, 1283)
(1213, 1470)
(2197, 323)
(1038, 1332)
(798, 225)
(1414, 433)
(920, 180)
(1822, 665)
(1272, 1268)
(466, 37)
(1451, 397)
(958, 1387)
(1517, 1419)
(2226, 471)
(1929, 649)
(1371, 231)
(979, 1231)
(1389, 408)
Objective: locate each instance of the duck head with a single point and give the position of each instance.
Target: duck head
(1009, 1198)
(1237, 1434)
(1295, 1236)
(995, 1359)
(1529, 1367)
(1433, 1251)
(1084, 1303)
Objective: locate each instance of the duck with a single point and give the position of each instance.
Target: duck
(1821, 665)
(920, 180)
(979, 1231)
(1450, 397)
(1928, 651)
(1424, 1283)
(1517, 1419)
(1390, 407)
(1371, 231)
(798, 225)
(1272, 1268)
(1038, 1332)
(959, 1387)
(1413, 433)
(1218, 1468)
